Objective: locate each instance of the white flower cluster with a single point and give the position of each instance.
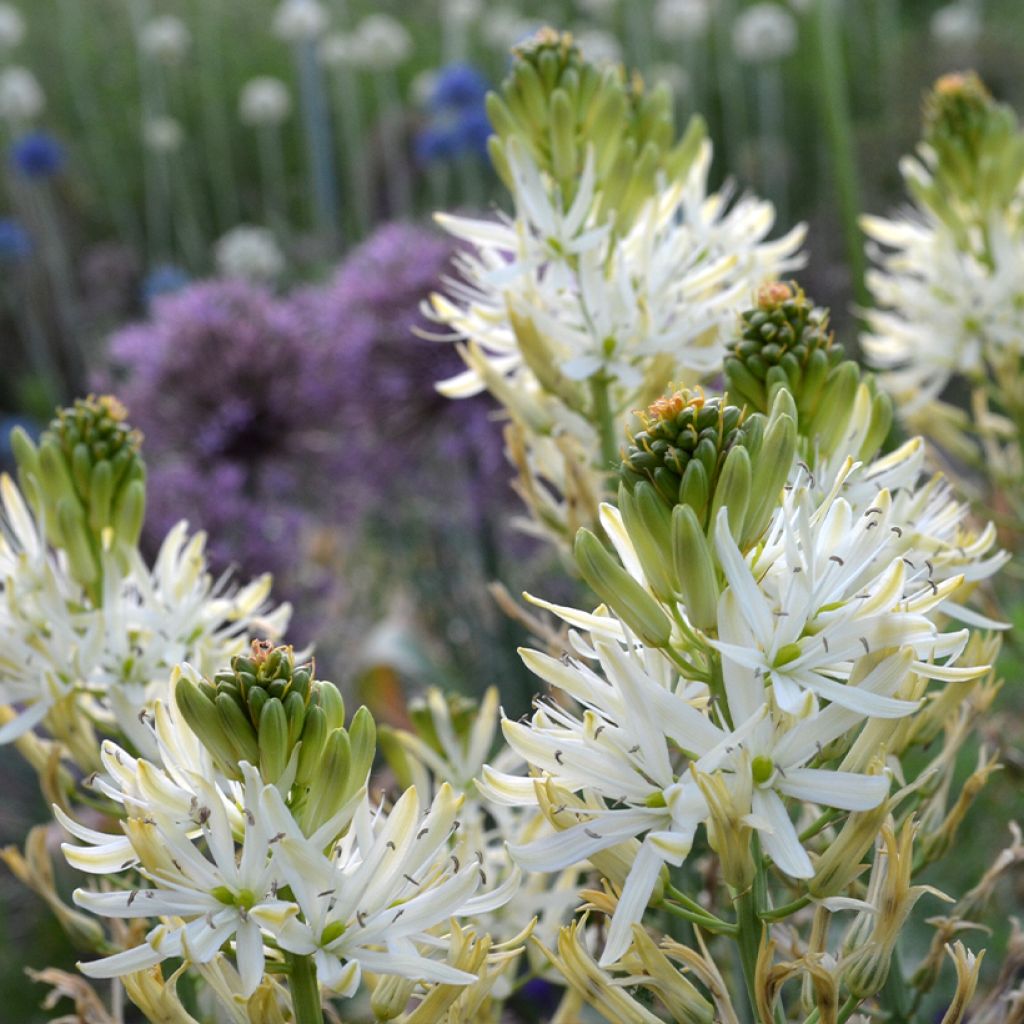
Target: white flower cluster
(264, 101)
(66, 661)
(367, 889)
(670, 286)
(943, 309)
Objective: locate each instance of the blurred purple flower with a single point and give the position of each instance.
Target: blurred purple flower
(398, 430)
(37, 155)
(225, 388)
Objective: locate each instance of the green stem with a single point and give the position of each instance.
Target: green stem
(784, 911)
(836, 115)
(305, 990)
(749, 905)
(895, 994)
(711, 924)
(812, 830)
(605, 421)
(693, 912)
(848, 1007)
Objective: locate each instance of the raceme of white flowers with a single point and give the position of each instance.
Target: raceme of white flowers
(948, 290)
(824, 630)
(617, 271)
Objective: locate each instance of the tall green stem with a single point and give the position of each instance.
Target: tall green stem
(749, 904)
(605, 420)
(304, 989)
(838, 124)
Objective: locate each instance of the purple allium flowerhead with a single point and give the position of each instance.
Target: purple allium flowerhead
(231, 399)
(396, 426)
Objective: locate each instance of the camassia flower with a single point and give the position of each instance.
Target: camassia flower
(824, 589)
(218, 896)
(372, 902)
(642, 746)
(216, 855)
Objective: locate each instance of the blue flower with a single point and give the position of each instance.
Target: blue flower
(15, 244)
(438, 141)
(458, 87)
(37, 155)
(474, 129)
(163, 280)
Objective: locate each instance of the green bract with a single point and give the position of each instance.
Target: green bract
(86, 482)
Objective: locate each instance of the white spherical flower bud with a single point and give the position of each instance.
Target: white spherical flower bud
(12, 27)
(679, 20)
(597, 8)
(300, 20)
(163, 134)
(422, 87)
(339, 50)
(956, 24)
(249, 252)
(764, 32)
(504, 27)
(21, 96)
(598, 46)
(383, 42)
(462, 12)
(264, 100)
(677, 78)
(165, 39)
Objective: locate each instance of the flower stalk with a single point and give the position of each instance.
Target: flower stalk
(304, 989)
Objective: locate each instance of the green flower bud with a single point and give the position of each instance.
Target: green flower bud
(777, 347)
(648, 522)
(623, 594)
(775, 456)
(683, 449)
(693, 565)
(86, 482)
(267, 710)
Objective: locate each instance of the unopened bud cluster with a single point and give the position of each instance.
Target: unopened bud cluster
(86, 482)
(556, 104)
(784, 342)
(272, 713)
